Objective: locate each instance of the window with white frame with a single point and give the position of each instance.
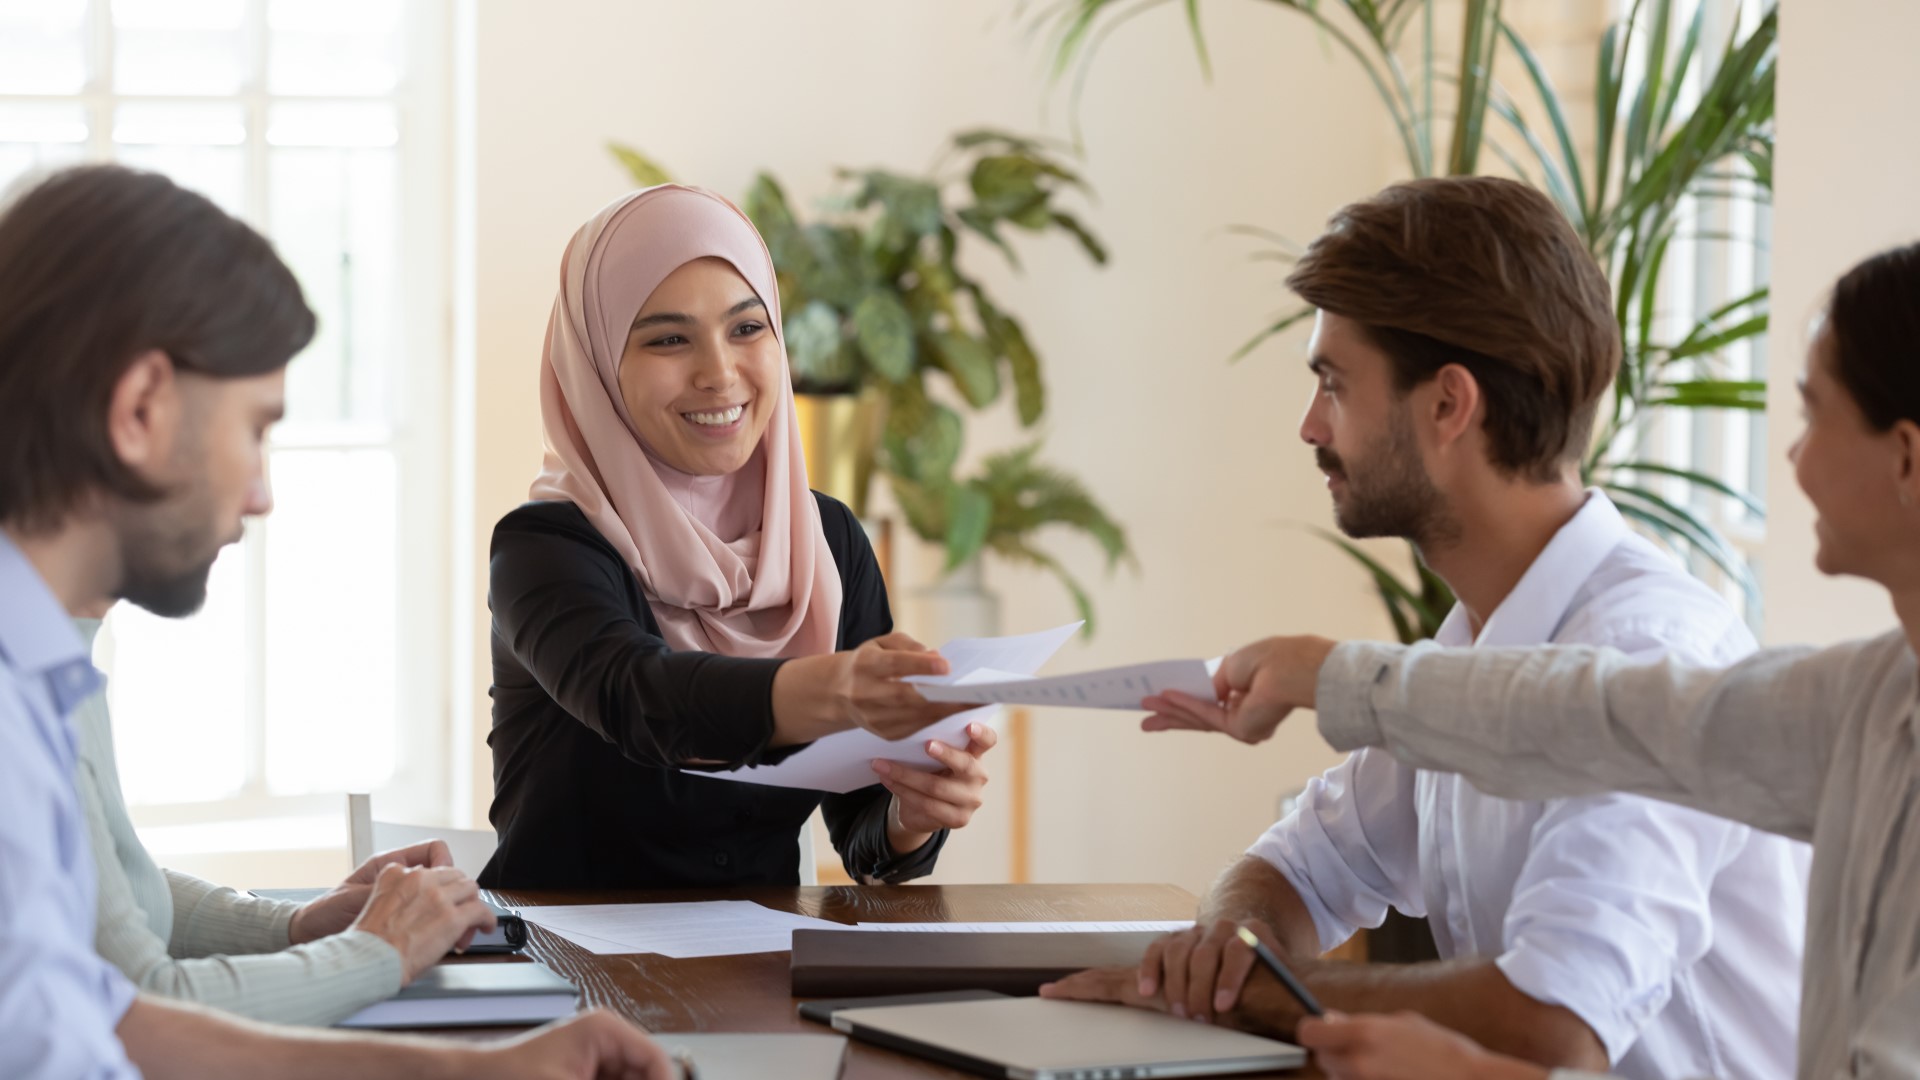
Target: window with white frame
(1719, 255)
(318, 665)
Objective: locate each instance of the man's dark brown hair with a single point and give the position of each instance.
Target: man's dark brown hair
(1487, 274)
(99, 264)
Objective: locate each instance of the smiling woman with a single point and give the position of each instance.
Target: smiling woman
(676, 594)
(699, 384)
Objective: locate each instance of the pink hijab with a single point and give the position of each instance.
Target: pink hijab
(732, 564)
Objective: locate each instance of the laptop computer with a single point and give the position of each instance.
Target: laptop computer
(1041, 1039)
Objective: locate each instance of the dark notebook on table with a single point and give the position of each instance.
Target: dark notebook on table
(848, 963)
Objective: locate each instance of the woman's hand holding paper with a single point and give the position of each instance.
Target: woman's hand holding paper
(819, 695)
(924, 803)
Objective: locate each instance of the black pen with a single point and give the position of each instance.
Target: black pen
(1294, 986)
(684, 1058)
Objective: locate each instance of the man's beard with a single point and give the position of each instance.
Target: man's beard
(1391, 493)
(167, 550)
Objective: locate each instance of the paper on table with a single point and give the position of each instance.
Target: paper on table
(708, 928)
(844, 761)
(1108, 688)
(1148, 927)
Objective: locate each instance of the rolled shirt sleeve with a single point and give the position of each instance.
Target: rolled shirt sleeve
(1612, 904)
(1350, 849)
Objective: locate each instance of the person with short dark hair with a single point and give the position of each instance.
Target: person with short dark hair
(1817, 745)
(144, 336)
(1464, 341)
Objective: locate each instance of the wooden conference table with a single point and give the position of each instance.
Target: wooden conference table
(751, 993)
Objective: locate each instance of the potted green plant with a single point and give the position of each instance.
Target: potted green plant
(881, 322)
(1659, 144)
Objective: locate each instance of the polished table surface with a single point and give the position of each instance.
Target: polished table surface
(751, 993)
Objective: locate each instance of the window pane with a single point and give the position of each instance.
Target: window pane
(43, 46)
(335, 47)
(36, 139)
(331, 609)
(179, 46)
(199, 146)
(334, 196)
(178, 691)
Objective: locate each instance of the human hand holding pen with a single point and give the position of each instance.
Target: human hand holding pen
(1255, 688)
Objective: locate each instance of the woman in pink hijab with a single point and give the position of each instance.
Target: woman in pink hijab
(675, 594)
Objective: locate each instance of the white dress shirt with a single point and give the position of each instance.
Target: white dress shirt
(1675, 936)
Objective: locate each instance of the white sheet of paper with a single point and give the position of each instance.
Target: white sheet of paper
(843, 762)
(1108, 688)
(1161, 927)
(707, 928)
(1020, 654)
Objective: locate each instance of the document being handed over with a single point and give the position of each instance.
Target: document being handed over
(844, 762)
(1108, 688)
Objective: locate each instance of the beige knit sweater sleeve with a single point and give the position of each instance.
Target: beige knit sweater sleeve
(178, 936)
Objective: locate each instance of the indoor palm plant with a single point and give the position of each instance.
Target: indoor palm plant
(1662, 144)
(878, 311)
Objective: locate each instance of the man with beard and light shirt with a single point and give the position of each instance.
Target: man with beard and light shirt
(144, 338)
(1463, 343)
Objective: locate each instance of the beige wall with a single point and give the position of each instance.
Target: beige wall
(1847, 181)
(1198, 458)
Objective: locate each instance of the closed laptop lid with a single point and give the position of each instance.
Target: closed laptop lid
(1040, 1039)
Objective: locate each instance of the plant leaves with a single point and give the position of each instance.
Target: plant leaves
(1700, 479)
(884, 332)
(766, 206)
(983, 224)
(1710, 394)
(914, 203)
(1089, 242)
(1715, 342)
(832, 263)
(645, 171)
(924, 507)
(970, 362)
(1422, 617)
(1013, 550)
(1028, 496)
(922, 438)
(1278, 326)
(1029, 391)
(816, 348)
(1006, 185)
(969, 517)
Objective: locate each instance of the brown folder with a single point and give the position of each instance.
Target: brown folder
(848, 963)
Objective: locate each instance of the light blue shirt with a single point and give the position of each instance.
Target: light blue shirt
(59, 1002)
(1677, 937)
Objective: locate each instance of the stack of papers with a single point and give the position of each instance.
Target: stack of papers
(681, 931)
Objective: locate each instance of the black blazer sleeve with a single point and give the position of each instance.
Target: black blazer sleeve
(857, 820)
(563, 604)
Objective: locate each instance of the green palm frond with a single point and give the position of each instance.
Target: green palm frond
(1675, 119)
